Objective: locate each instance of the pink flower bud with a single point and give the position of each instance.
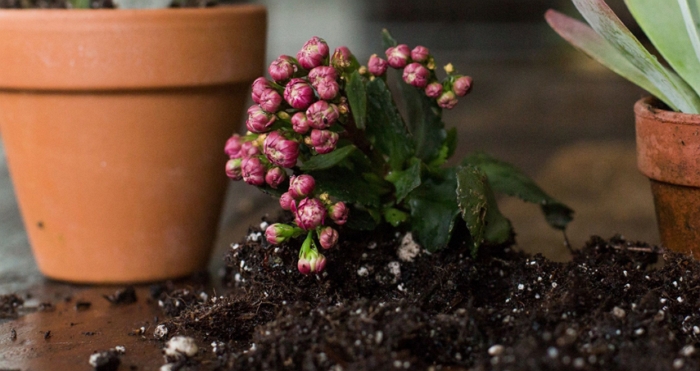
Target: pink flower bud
(420, 54)
(323, 141)
(447, 100)
(376, 65)
(342, 58)
(282, 68)
(259, 86)
(301, 186)
(280, 150)
(286, 201)
(277, 233)
(328, 237)
(322, 73)
(313, 53)
(318, 264)
(233, 169)
(433, 90)
(309, 213)
(270, 100)
(300, 123)
(249, 149)
(462, 86)
(304, 266)
(415, 74)
(339, 213)
(253, 171)
(398, 56)
(327, 89)
(259, 121)
(321, 114)
(233, 146)
(299, 94)
(275, 176)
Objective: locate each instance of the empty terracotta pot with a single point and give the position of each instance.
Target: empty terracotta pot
(114, 123)
(668, 153)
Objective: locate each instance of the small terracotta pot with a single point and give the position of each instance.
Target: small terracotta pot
(668, 153)
(114, 123)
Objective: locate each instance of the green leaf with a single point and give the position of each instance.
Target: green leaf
(447, 149)
(357, 98)
(328, 160)
(387, 40)
(588, 41)
(395, 216)
(407, 180)
(385, 127)
(605, 22)
(434, 210)
(424, 122)
(348, 187)
(506, 178)
(673, 32)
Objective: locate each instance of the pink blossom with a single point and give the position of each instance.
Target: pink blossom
(433, 90)
(299, 123)
(318, 264)
(304, 265)
(339, 213)
(377, 66)
(270, 100)
(313, 53)
(280, 150)
(309, 213)
(447, 100)
(299, 94)
(398, 56)
(462, 86)
(233, 169)
(327, 89)
(322, 73)
(277, 233)
(233, 146)
(259, 121)
(253, 171)
(301, 186)
(282, 68)
(249, 149)
(328, 237)
(275, 176)
(420, 54)
(321, 114)
(286, 201)
(342, 58)
(324, 141)
(415, 74)
(259, 86)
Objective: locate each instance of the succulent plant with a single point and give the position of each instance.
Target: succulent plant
(671, 25)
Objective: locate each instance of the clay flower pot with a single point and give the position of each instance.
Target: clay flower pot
(113, 123)
(668, 153)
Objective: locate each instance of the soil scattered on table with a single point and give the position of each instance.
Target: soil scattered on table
(123, 296)
(617, 305)
(9, 304)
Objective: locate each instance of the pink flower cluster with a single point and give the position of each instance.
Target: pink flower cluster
(418, 71)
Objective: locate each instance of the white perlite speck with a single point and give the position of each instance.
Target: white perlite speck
(688, 350)
(263, 226)
(409, 249)
(395, 270)
(619, 312)
(122, 349)
(496, 350)
(160, 332)
(181, 346)
(362, 272)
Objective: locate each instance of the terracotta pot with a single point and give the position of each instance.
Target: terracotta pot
(114, 124)
(668, 153)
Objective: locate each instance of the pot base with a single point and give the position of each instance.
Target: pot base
(678, 215)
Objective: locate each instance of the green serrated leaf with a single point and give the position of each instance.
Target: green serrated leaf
(385, 127)
(604, 21)
(424, 121)
(407, 180)
(395, 216)
(348, 187)
(673, 32)
(506, 178)
(328, 160)
(434, 210)
(357, 98)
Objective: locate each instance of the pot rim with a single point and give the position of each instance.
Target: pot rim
(650, 107)
(76, 14)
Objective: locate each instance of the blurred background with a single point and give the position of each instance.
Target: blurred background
(536, 103)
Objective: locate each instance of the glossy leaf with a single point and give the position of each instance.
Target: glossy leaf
(347, 186)
(506, 178)
(604, 21)
(407, 180)
(328, 160)
(385, 127)
(434, 210)
(668, 29)
(357, 98)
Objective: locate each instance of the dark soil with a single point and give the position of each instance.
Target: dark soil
(618, 305)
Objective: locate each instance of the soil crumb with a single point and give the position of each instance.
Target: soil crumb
(9, 304)
(122, 296)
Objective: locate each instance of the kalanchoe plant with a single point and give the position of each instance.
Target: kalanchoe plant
(673, 27)
(338, 154)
